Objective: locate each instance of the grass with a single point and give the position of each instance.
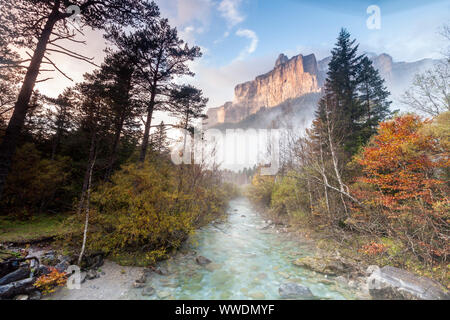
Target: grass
(37, 228)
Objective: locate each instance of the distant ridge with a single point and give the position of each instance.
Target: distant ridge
(297, 77)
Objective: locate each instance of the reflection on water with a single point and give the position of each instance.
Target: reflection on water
(248, 262)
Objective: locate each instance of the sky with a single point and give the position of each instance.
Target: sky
(241, 39)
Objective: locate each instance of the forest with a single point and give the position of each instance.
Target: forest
(90, 155)
(91, 170)
(364, 178)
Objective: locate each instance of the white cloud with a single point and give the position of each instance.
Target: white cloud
(218, 82)
(250, 34)
(230, 11)
(189, 16)
(188, 33)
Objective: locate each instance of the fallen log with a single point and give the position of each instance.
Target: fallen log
(19, 274)
(13, 289)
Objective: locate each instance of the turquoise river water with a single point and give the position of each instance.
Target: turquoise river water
(249, 261)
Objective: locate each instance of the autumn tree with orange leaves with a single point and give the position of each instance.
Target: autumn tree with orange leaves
(404, 173)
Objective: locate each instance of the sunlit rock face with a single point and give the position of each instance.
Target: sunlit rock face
(290, 79)
(301, 76)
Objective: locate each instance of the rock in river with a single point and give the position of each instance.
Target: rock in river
(202, 260)
(162, 271)
(62, 266)
(148, 291)
(142, 278)
(294, 291)
(389, 283)
(324, 265)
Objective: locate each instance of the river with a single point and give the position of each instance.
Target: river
(249, 262)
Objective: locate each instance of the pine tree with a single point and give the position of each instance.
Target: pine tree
(159, 143)
(160, 56)
(342, 84)
(354, 95)
(373, 97)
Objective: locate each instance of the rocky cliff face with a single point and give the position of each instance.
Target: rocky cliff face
(300, 76)
(290, 79)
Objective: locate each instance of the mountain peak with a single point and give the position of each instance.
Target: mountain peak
(282, 58)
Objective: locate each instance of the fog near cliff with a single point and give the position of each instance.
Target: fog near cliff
(296, 115)
(250, 141)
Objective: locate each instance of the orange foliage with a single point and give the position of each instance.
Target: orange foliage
(48, 283)
(400, 162)
(373, 248)
(404, 179)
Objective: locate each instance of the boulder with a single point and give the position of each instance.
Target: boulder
(93, 261)
(142, 279)
(324, 265)
(294, 291)
(138, 284)
(83, 275)
(202, 260)
(21, 297)
(8, 262)
(390, 283)
(91, 274)
(50, 258)
(43, 270)
(163, 271)
(19, 274)
(62, 266)
(35, 295)
(148, 291)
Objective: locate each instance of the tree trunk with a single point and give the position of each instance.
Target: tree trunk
(148, 124)
(115, 148)
(151, 106)
(15, 125)
(119, 126)
(335, 163)
(310, 197)
(86, 222)
(325, 179)
(87, 175)
(57, 138)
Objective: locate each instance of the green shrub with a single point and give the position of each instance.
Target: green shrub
(149, 209)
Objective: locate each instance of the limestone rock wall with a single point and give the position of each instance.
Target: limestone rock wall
(290, 79)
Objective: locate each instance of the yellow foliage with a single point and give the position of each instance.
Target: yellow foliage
(48, 283)
(152, 208)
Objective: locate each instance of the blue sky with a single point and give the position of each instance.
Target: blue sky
(242, 38)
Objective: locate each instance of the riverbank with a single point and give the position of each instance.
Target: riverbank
(242, 257)
(338, 252)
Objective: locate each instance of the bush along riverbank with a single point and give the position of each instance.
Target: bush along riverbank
(143, 215)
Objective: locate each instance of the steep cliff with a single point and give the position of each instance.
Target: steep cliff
(299, 77)
(290, 79)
